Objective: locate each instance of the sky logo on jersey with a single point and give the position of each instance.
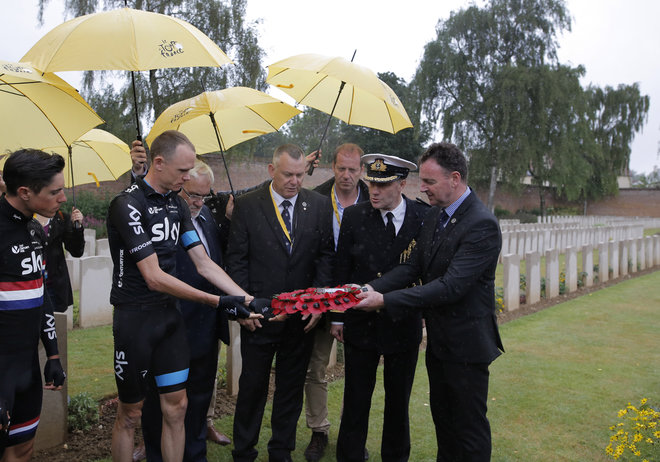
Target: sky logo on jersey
(21, 295)
(136, 224)
(50, 326)
(165, 230)
(32, 264)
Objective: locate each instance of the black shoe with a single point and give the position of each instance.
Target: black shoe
(366, 454)
(316, 447)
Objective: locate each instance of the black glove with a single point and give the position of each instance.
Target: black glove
(262, 306)
(54, 373)
(233, 306)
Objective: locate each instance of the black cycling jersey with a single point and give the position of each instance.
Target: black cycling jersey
(24, 311)
(142, 222)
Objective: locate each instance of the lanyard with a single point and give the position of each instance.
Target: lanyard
(279, 217)
(334, 205)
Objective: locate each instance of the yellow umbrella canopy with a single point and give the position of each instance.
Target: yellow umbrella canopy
(316, 81)
(95, 156)
(39, 110)
(237, 114)
(124, 39)
(217, 120)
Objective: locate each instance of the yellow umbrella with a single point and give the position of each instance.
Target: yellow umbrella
(97, 156)
(124, 39)
(39, 110)
(218, 120)
(341, 88)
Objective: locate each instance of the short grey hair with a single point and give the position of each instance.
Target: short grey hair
(201, 169)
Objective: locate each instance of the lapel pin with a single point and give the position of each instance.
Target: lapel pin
(453, 220)
(304, 204)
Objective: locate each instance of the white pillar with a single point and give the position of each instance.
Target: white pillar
(571, 269)
(588, 264)
(533, 277)
(511, 265)
(623, 257)
(551, 273)
(603, 263)
(614, 258)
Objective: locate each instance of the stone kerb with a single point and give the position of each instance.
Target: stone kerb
(588, 264)
(603, 262)
(532, 277)
(571, 269)
(511, 266)
(52, 428)
(614, 258)
(96, 281)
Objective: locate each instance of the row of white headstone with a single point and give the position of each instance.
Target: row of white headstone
(615, 258)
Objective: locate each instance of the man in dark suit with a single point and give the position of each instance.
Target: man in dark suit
(204, 326)
(280, 240)
(455, 258)
(375, 236)
(345, 188)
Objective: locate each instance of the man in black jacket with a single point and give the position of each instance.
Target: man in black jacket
(204, 326)
(455, 258)
(375, 236)
(280, 240)
(345, 188)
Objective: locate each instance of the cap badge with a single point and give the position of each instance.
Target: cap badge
(378, 166)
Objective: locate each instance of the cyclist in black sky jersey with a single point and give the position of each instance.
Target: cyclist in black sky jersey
(146, 223)
(35, 184)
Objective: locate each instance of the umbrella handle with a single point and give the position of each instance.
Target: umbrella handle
(311, 167)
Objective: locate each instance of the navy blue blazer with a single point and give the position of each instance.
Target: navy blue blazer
(458, 275)
(204, 324)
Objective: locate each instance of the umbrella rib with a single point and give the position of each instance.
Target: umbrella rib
(44, 114)
(262, 117)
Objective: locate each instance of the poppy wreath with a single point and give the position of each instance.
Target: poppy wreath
(316, 300)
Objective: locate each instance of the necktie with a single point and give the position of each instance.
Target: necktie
(440, 225)
(391, 230)
(286, 218)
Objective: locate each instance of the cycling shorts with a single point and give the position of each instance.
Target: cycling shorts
(21, 394)
(150, 341)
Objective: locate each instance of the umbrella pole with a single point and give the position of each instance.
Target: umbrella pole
(76, 225)
(222, 153)
(137, 117)
(341, 88)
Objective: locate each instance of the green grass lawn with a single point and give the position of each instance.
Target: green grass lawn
(554, 393)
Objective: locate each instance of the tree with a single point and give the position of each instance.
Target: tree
(557, 131)
(615, 116)
(222, 21)
(465, 75)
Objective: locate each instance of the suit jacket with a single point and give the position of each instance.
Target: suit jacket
(458, 274)
(364, 253)
(61, 232)
(258, 260)
(204, 324)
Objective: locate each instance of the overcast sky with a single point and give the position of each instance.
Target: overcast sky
(618, 41)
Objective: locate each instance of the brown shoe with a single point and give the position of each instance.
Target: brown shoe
(139, 453)
(217, 437)
(316, 447)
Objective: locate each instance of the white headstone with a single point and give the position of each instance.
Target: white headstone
(96, 282)
(511, 266)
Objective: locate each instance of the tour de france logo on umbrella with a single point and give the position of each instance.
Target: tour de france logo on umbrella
(170, 49)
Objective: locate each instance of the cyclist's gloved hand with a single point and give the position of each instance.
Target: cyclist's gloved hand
(262, 306)
(53, 373)
(233, 306)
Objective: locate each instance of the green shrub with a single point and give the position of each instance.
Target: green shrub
(83, 412)
(501, 213)
(94, 207)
